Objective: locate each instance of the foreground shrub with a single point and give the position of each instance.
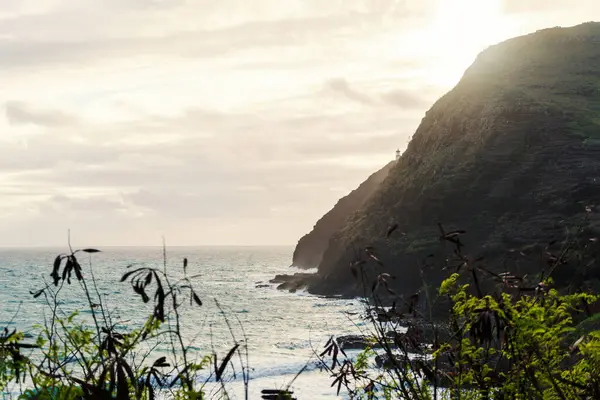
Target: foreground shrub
(515, 340)
(96, 358)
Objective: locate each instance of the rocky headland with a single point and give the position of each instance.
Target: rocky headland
(511, 155)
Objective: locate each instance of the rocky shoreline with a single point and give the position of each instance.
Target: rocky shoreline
(295, 282)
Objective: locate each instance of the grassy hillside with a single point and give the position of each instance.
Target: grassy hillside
(511, 155)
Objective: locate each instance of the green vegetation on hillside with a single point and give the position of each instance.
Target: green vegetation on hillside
(511, 155)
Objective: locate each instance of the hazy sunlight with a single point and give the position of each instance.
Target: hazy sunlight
(459, 31)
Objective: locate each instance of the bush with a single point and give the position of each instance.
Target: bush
(519, 341)
(75, 358)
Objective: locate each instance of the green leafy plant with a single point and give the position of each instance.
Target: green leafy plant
(75, 358)
(505, 336)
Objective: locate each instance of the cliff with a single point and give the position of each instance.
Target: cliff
(511, 155)
(310, 247)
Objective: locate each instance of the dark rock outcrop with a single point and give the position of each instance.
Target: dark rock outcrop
(310, 247)
(294, 282)
(511, 155)
(356, 342)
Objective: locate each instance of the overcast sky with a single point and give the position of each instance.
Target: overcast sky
(221, 122)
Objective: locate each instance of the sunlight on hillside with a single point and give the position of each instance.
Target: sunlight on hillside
(459, 31)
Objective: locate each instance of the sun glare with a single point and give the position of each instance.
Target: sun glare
(460, 30)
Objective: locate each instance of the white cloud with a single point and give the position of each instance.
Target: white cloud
(18, 113)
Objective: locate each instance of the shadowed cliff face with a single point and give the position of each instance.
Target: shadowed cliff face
(511, 155)
(310, 248)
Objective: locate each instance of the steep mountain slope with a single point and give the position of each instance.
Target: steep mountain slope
(511, 155)
(310, 248)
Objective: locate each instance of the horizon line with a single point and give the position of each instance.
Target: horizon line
(140, 246)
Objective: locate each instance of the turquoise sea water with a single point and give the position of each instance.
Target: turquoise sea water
(282, 329)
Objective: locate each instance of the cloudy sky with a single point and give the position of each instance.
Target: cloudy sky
(221, 122)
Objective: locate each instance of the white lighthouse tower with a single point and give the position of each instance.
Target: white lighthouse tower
(397, 154)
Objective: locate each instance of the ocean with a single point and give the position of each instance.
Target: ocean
(283, 330)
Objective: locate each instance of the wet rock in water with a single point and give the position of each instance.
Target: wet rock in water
(391, 315)
(294, 282)
(425, 332)
(361, 342)
(355, 342)
(386, 362)
(441, 373)
(407, 341)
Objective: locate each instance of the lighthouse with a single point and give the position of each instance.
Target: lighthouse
(397, 154)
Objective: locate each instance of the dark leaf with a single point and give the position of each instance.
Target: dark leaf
(334, 359)
(131, 377)
(377, 260)
(327, 351)
(196, 298)
(55, 269)
(122, 385)
(391, 229)
(150, 388)
(159, 297)
(160, 362)
(145, 297)
(159, 380)
(455, 233)
(67, 270)
(219, 372)
(112, 378)
(90, 250)
(159, 309)
(215, 362)
(103, 374)
(343, 352)
(139, 289)
(129, 273)
(78, 274)
(77, 269)
(330, 341)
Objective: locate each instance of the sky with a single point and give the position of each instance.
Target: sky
(229, 122)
